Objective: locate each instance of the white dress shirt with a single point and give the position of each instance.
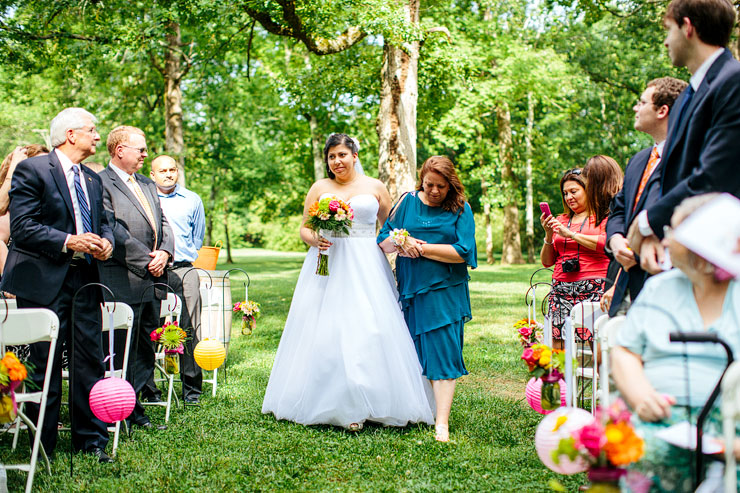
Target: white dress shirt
(69, 174)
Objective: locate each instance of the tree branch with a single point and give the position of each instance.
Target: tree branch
(295, 29)
(52, 35)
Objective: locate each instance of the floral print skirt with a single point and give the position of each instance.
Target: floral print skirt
(565, 295)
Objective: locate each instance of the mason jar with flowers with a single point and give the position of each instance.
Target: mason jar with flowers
(171, 338)
(547, 364)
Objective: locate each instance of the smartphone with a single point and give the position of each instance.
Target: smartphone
(545, 208)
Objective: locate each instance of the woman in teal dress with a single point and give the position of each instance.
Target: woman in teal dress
(432, 275)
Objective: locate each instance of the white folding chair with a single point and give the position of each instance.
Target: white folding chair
(583, 316)
(607, 328)
(28, 326)
(122, 317)
(171, 309)
(212, 307)
(730, 415)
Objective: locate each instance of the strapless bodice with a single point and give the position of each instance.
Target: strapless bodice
(365, 206)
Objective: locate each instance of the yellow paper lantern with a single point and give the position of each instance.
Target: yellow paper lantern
(209, 354)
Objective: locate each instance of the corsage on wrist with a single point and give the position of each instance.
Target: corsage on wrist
(399, 237)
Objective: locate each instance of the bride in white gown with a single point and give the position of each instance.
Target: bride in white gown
(346, 355)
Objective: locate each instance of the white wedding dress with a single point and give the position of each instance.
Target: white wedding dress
(346, 355)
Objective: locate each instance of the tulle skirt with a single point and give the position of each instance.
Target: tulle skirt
(346, 355)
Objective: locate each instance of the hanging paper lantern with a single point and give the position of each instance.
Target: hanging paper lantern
(561, 423)
(209, 354)
(533, 394)
(112, 399)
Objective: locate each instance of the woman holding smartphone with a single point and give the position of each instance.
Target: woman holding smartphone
(574, 241)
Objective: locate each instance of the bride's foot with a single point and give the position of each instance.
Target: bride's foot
(355, 427)
(442, 433)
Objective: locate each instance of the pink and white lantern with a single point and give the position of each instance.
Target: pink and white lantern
(559, 424)
(533, 394)
(112, 399)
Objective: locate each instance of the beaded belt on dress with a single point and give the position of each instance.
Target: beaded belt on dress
(357, 231)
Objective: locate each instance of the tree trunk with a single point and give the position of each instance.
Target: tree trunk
(319, 170)
(212, 212)
(529, 197)
(226, 232)
(487, 220)
(512, 245)
(486, 202)
(174, 143)
(396, 124)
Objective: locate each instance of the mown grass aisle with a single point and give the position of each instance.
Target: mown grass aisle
(226, 444)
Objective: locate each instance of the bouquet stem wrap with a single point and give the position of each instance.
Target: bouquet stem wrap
(322, 266)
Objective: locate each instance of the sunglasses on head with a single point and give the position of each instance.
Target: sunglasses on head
(574, 171)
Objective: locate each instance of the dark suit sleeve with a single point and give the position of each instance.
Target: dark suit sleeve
(717, 169)
(615, 224)
(127, 250)
(25, 213)
(168, 238)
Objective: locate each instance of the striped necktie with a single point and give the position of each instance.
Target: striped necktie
(147, 208)
(651, 165)
(84, 208)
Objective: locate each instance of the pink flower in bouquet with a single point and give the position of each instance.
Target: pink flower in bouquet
(324, 216)
(525, 331)
(591, 437)
(334, 205)
(156, 334)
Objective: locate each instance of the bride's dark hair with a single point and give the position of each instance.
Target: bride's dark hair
(337, 140)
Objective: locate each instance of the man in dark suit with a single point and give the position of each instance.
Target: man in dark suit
(641, 186)
(144, 247)
(703, 141)
(60, 232)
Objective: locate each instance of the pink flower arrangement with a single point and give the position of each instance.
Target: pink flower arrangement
(530, 332)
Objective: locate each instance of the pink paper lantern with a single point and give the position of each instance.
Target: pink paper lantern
(112, 399)
(561, 423)
(533, 393)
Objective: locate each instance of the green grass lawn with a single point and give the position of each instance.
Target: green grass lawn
(226, 444)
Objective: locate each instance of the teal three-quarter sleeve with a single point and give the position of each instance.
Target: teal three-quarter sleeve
(465, 237)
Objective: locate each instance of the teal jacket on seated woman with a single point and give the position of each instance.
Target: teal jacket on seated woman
(434, 295)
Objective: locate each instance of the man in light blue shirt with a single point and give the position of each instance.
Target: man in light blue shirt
(184, 211)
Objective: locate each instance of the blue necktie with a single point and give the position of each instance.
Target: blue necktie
(682, 111)
(84, 209)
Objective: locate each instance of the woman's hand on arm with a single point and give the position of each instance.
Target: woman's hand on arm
(634, 386)
(442, 253)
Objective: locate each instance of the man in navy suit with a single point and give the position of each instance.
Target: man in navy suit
(60, 232)
(703, 141)
(641, 185)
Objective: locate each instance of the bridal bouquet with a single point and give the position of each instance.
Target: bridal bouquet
(12, 373)
(250, 311)
(329, 214)
(171, 337)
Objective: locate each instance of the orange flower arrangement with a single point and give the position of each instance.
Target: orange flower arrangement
(11, 370)
(609, 442)
(623, 446)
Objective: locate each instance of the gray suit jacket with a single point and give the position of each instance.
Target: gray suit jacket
(125, 273)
